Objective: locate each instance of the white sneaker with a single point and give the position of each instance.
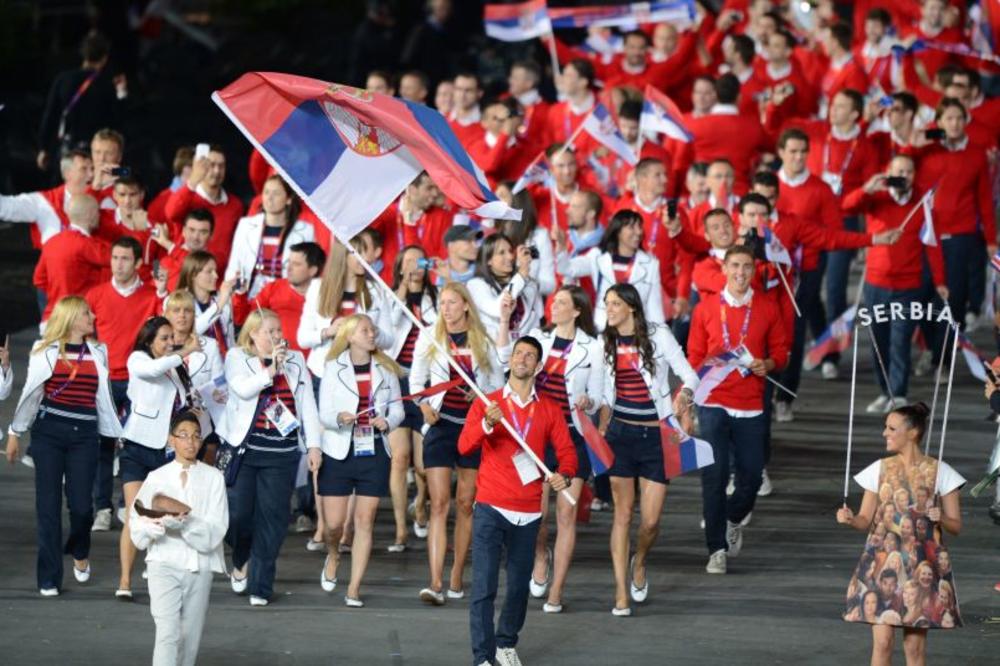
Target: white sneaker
(716, 563)
(102, 521)
(81, 576)
(924, 364)
(551, 608)
(731, 486)
(765, 485)
(304, 524)
(971, 322)
(597, 504)
(28, 461)
(257, 601)
(877, 406)
(734, 538)
(429, 596)
(746, 521)
(456, 594)
(49, 591)
(419, 530)
(783, 412)
(830, 370)
(328, 584)
(895, 403)
(507, 657)
(238, 585)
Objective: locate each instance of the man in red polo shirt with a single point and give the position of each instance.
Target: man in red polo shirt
(465, 117)
(508, 498)
(731, 415)
(413, 219)
(120, 306)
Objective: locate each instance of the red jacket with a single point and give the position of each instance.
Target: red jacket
(802, 102)
(227, 214)
(110, 229)
(813, 203)
(498, 483)
(282, 297)
(118, 319)
(737, 138)
(963, 202)
(765, 338)
(428, 233)
(71, 263)
(900, 265)
(561, 122)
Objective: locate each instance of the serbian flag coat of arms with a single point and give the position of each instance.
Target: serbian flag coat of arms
(350, 152)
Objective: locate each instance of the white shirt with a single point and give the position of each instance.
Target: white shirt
(948, 480)
(128, 289)
(724, 110)
(197, 545)
(793, 181)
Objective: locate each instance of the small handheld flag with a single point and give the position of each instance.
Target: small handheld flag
(660, 114)
(682, 453)
(834, 339)
(679, 12)
(537, 172)
(602, 458)
(601, 126)
(927, 235)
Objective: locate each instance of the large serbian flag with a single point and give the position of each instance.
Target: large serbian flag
(350, 152)
(517, 22)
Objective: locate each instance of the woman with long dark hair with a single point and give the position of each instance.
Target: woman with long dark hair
(503, 273)
(413, 285)
(618, 259)
(640, 357)
(526, 231)
(159, 386)
(573, 376)
(262, 242)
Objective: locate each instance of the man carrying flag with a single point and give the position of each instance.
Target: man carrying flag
(745, 328)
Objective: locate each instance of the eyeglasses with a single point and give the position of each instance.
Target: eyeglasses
(186, 437)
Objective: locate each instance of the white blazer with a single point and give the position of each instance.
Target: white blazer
(584, 367)
(204, 319)
(40, 366)
(487, 302)
(153, 386)
(543, 269)
(246, 245)
(427, 371)
(401, 325)
(6, 382)
(598, 266)
(311, 325)
(667, 357)
(338, 392)
(247, 377)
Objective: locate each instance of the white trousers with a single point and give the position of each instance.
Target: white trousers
(178, 602)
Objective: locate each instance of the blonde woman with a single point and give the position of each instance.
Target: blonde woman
(213, 301)
(271, 413)
(458, 330)
(66, 404)
(361, 405)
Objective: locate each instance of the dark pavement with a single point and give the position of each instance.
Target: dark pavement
(780, 603)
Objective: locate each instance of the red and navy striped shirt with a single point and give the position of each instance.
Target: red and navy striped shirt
(633, 401)
(348, 304)
(363, 377)
(455, 405)
(405, 358)
(264, 435)
(73, 384)
(269, 253)
(551, 381)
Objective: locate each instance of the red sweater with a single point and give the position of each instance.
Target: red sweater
(963, 202)
(281, 297)
(71, 263)
(498, 483)
(227, 214)
(737, 138)
(814, 203)
(118, 320)
(765, 338)
(501, 162)
(900, 265)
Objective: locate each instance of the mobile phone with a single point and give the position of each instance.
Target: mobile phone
(121, 172)
(671, 208)
(201, 150)
(934, 133)
(533, 251)
(896, 182)
(885, 101)
(425, 263)
(738, 15)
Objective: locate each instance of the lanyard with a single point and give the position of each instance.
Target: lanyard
(623, 275)
(847, 158)
(523, 432)
(73, 101)
(725, 329)
(553, 363)
(74, 369)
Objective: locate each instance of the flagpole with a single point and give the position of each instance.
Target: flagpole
(571, 139)
(451, 361)
(850, 418)
(947, 407)
(781, 386)
(937, 386)
(881, 366)
(556, 71)
(915, 209)
(784, 281)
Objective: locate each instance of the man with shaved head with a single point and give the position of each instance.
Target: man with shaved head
(73, 260)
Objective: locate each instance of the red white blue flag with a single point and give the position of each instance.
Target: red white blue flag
(682, 453)
(598, 450)
(537, 172)
(835, 339)
(601, 126)
(713, 371)
(517, 22)
(628, 17)
(350, 152)
(972, 357)
(660, 114)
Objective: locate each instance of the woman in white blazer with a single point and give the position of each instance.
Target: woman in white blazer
(500, 277)
(459, 331)
(573, 375)
(617, 259)
(271, 412)
(158, 387)
(66, 404)
(640, 357)
(199, 275)
(361, 406)
(262, 242)
(342, 291)
(527, 232)
(414, 287)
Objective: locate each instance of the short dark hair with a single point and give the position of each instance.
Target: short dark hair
(636, 33)
(716, 212)
(888, 572)
(584, 68)
(766, 178)
(466, 74)
(645, 164)
(594, 201)
(949, 103)
(187, 416)
(907, 99)
(630, 109)
(314, 254)
(879, 14)
(727, 89)
(129, 243)
(784, 34)
(531, 342)
(130, 181)
(95, 47)
(842, 34)
(754, 198)
(201, 215)
(739, 248)
(857, 100)
(744, 47)
(420, 76)
(792, 134)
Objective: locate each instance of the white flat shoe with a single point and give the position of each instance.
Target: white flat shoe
(351, 602)
(456, 594)
(622, 612)
(49, 591)
(429, 596)
(637, 593)
(552, 608)
(419, 530)
(328, 585)
(238, 585)
(81, 576)
(397, 548)
(123, 595)
(257, 601)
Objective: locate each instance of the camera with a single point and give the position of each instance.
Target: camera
(121, 172)
(671, 208)
(896, 182)
(425, 263)
(934, 134)
(533, 251)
